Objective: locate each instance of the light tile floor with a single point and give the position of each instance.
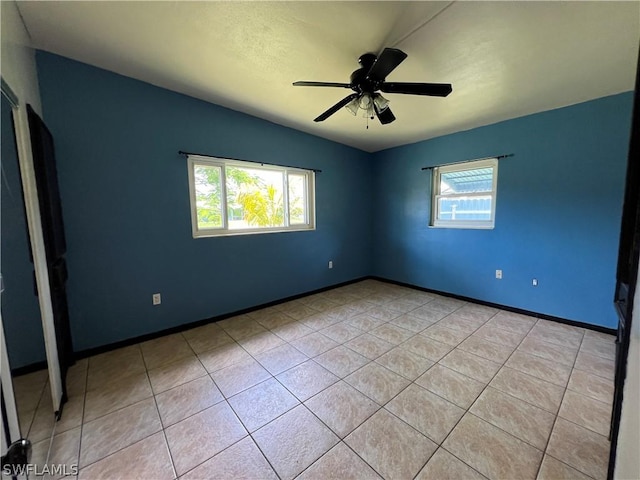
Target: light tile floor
(364, 381)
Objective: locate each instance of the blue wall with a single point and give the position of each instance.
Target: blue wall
(20, 310)
(559, 203)
(125, 201)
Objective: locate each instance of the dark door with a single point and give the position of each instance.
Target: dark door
(627, 273)
(20, 309)
(46, 174)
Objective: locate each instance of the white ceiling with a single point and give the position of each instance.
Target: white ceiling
(504, 59)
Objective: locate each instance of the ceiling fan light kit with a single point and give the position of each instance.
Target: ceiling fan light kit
(369, 79)
(368, 103)
(380, 102)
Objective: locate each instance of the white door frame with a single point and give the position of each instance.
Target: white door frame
(32, 208)
(8, 394)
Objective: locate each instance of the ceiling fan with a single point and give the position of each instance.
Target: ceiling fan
(369, 79)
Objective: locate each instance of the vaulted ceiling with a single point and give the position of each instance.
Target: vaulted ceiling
(504, 59)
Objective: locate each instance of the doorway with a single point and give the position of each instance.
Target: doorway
(29, 345)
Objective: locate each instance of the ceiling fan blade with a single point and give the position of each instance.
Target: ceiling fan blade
(336, 107)
(388, 60)
(386, 116)
(430, 89)
(321, 84)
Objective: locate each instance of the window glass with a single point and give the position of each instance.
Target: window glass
(297, 195)
(208, 189)
(465, 181)
(255, 197)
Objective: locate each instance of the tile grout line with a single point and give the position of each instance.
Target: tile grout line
(84, 406)
(118, 410)
(382, 407)
(503, 364)
(224, 399)
(41, 396)
(340, 440)
(468, 410)
(525, 401)
(302, 403)
(162, 426)
(153, 395)
(440, 445)
(248, 435)
(35, 410)
(530, 375)
(555, 420)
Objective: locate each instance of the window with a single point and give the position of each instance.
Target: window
(464, 195)
(231, 197)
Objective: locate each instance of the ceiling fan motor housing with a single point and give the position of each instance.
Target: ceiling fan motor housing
(367, 60)
(360, 83)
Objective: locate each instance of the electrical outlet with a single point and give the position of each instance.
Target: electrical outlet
(499, 274)
(157, 299)
(534, 282)
(330, 263)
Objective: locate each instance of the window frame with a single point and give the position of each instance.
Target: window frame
(224, 230)
(436, 195)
